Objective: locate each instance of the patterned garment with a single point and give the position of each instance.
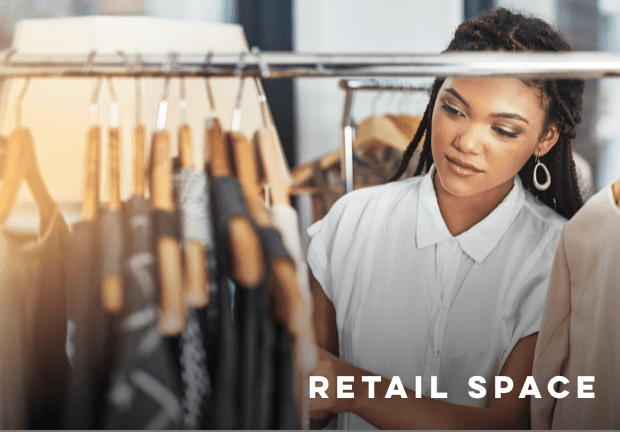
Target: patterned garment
(145, 390)
(191, 193)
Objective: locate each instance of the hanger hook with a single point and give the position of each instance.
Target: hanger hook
(8, 62)
(182, 101)
(236, 120)
(262, 99)
(163, 104)
(8, 58)
(94, 103)
(20, 99)
(138, 85)
(113, 105)
(210, 97)
(89, 62)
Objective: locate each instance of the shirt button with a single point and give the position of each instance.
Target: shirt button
(441, 295)
(451, 241)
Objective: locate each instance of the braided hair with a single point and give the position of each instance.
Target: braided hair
(503, 30)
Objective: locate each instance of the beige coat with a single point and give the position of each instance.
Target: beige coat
(580, 329)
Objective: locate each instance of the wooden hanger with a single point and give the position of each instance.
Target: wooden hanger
(615, 187)
(290, 306)
(407, 123)
(91, 194)
(112, 285)
(247, 262)
(196, 292)
(21, 163)
(266, 142)
(373, 132)
(172, 309)
(139, 146)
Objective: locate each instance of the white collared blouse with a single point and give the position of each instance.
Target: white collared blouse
(412, 300)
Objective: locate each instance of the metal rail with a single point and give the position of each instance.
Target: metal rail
(277, 64)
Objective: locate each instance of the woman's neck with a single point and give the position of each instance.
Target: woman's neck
(462, 213)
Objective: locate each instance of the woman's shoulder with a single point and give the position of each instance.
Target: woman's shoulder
(541, 214)
(393, 191)
(353, 212)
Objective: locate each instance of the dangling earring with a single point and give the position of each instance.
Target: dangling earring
(547, 183)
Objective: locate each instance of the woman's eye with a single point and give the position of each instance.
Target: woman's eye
(451, 109)
(506, 133)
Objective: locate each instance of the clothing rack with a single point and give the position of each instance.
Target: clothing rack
(278, 64)
(348, 129)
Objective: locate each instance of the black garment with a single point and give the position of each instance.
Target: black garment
(285, 415)
(145, 389)
(276, 354)
(92, 335)
(227, 202)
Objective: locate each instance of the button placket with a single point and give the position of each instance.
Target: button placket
(450, 265)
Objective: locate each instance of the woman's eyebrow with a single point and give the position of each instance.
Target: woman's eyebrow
(456, 95)
(510, 116)
(500, 115)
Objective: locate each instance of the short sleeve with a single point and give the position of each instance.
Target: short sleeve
(525, 309)
(328, 237)
(317, 256)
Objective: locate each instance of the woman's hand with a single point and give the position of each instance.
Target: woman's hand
(330, 367)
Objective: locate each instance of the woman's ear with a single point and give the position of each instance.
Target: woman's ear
(549, 139)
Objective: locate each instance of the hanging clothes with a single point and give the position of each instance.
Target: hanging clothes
(145, 389)
(91, 337)
(278, 410)
(579, 334)
(33, 362)
(192, 197)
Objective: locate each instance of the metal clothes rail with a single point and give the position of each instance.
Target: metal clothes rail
(277, 64)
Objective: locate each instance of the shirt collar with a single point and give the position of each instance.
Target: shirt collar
(479, 240)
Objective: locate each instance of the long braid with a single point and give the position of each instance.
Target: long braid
(502, 30)
(413, 145)
(424, 126)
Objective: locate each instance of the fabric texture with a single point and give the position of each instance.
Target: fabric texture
(285, 219)
(33, 329)
(145, 388)
(413, 300)
(192, 201)
(580, 331)
(192, 198)
(112, 243)
(91, 337)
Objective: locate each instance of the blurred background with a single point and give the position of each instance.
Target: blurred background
(308, 112)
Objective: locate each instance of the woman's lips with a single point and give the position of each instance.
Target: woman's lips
(461, 169)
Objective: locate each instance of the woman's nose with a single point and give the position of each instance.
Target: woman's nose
(470, 139)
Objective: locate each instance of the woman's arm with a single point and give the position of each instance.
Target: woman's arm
(324, 319)
(425, 413)
(327, 338)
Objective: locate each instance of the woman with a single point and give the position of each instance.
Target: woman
(443, 276)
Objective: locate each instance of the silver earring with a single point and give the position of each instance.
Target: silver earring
(547, 183)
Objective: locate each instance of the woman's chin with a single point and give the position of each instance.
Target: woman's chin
(458, 186)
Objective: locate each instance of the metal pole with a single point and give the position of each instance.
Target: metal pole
(293, 65)
(346, 159)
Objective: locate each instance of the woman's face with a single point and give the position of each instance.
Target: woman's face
(484, 130)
